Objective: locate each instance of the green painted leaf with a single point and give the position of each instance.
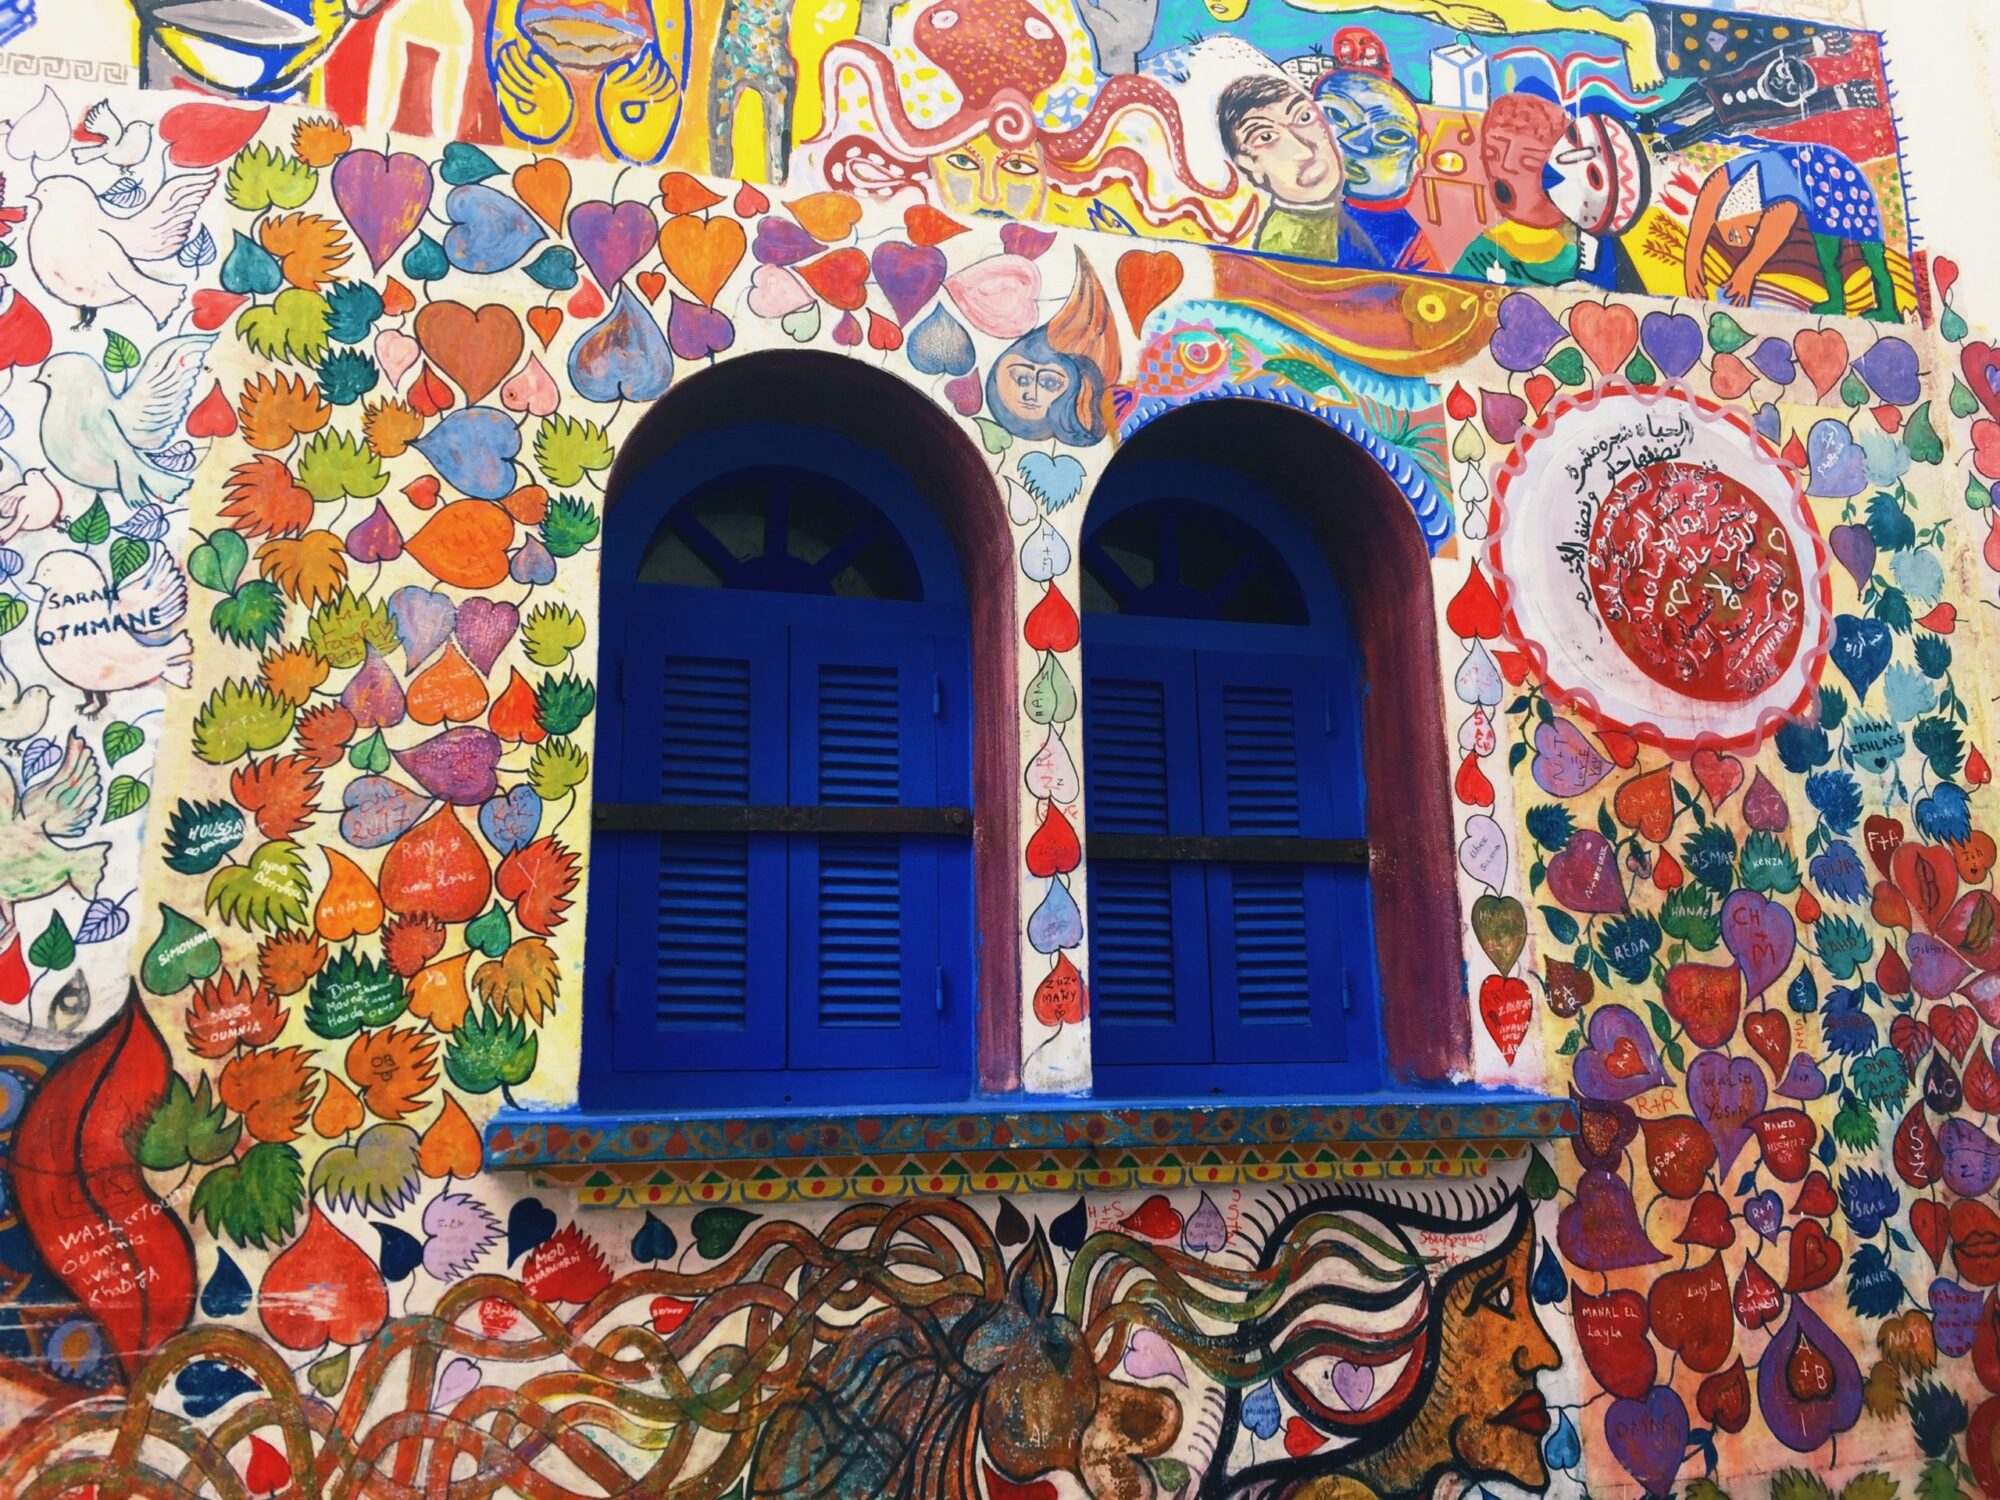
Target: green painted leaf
(567, 448)
(1567, 366)
(1920, 436)
(267, 893)
(1725, 334)
(372, 754)
(13, 611)
(93, 526)
(55, 948)
(125, 796)
(218, 562)
(128, 556)
(120, 353)
(1539, 1182)
(716, 1230)
(187, 1127)
(328, 1375)
(183, 952)
(254, 1201)
(1963, 402)
(200, 836)
(240, 717)
(252, 616)
(1639, 370)
(992, 436)
(491, 933)
(351, 992)
(120, 740)
(1852, 391)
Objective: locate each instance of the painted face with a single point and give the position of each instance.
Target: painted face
(1029, 390)
(1227, 10)
(982, 176)
(1379, 133)
(1514, 146)
(1491, 1349)
(1287, 149)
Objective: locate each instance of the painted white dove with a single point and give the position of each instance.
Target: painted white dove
(104, 134)
(105, 442)
(89, 257)
(24, 711)
(32, 863)
(104, 640)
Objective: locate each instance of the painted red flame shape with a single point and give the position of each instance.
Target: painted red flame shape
(120, 1249)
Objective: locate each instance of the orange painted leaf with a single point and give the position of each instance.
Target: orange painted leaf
(323, 732)
(465, 544)
(450, 1148)
(310, 247)
(230, 1011)
(538, 879)
(393, 1068)
(310, 568)
(280, 791)
(273, 1090)
(276, 409)
(262, 499)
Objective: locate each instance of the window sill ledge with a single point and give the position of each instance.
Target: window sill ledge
(1015, 1146)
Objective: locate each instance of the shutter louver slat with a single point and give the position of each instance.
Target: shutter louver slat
(1272, 957)
(1261, 759)
(860, 741)
(860, 933)
(1127, 755)
(702, 977)
(1132, 908)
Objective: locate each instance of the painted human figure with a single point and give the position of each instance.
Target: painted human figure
(753, 55)
(1283, 144)
(1755, 203)
(1626, 22)
(539, 51)
(1380, 135)
(258, 49)
(1534, 242)
(1777, 87)
(1050, 382)
(1601, 178)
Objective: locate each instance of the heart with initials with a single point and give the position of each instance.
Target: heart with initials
(1726, 1093)
(1619, 1060)
(476, 350)
(1507, 1006)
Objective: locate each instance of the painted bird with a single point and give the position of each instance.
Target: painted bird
(23, 710)
(102, 441)
(103, 134)
(103, 639)
(89, 257)
(32, 863)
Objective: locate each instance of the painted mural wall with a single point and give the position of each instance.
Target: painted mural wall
(306, 436)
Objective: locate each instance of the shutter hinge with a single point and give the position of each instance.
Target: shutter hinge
(940, 989)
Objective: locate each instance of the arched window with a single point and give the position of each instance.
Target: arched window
(1232, 949)
(781, 900)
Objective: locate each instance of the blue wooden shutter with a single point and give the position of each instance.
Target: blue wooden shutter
(1148, 934)
(1277, 962)
(865, 957)
(700, 970)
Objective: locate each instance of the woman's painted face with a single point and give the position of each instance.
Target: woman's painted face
(1028, 390)
(1492, 1349)
(984, 177)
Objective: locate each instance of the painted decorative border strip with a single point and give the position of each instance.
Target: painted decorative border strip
(519, 1139)
(833, 1179)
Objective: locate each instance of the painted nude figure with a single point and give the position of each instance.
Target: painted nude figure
(1629, 24)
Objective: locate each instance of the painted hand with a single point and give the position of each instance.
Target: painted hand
(639, 106)
(534, 96)
(1476, 19)
(1740, 287)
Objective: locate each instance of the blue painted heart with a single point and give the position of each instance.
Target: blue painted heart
(489, 231)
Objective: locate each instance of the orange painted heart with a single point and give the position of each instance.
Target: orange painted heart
(1541, 391)
(1770, 1034)
(1719, 775)
(840, 279)
(514, 717)
(1974, 857)
(651, 284)
(447, 692)
(465, 544)
(1146, 278)
(827, 216)
(1823, 355)
(586, 301)
(684, 194)
(213, 418)
(1608, 335)
(1624, 1059)
(1645, 804)
(475, 349)
(702, 253)
(397, 299)
(529, 505)
(1730, 377)
(544, 186)
(546, 321)
(929, 226)
(212, 308)
(883, 333)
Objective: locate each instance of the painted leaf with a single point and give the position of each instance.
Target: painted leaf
(125, 796)
(75, 1180)
(538, 880)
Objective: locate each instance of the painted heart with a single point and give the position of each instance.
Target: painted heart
(1645, 804)
(1611, 1331)
(1837, 465)
(1155, 1219)
(1566, 764)
(546, 322)
(1854, 546)
(612, 239)
(1507, 1006)
(1935, 971)
(1822, 355)
(1981, 364)
(1606, 334)
(544, 186)
(382, 198)
(1765, 1214)
(702, 254)
(840, 279)
(1730, 377)
(1146, 278)
(1673, 342)
(1956, 1028)
(377, 811)
(484, 627)
(1649, 1437)
(695, 331)
(1761, 936)
(909, 275)
(1773, 360)
(624, 358)
(827, 216)
(1719, 775)
(1861, 651)
(489, 231)
(1500, 923)
(1971, 1158)
(1025, 240)
(210, 309)
(1150, 1357)
(476, 350)
(929, 226)
(1584, 875)
(1525, 334)
(1814, 1259)
(776, 292)
(1726, 1093)
(532, 391)
(1928, 876)
(1483, 852)
(1301, 1437)
(1690, 1314)
(965, 394)
(1619, 1061)
(1769, 1033)
(1706, 999)
(1889, 368)
(1000, 295)
(511, 821)
(1787, 1137)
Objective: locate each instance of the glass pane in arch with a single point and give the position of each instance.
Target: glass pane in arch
(1183, 559)
(781, 530)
